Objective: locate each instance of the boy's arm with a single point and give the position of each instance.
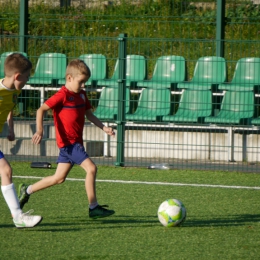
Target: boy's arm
(92, 118)
(37, 137)
(10, 123)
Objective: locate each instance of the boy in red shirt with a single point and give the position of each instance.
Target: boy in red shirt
(70, 105)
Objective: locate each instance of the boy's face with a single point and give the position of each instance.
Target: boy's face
(21, 79)
(77, 83)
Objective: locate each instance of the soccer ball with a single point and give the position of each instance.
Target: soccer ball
(171, 213)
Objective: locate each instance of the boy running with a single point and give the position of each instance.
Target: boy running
(70, 105)
(17, 70)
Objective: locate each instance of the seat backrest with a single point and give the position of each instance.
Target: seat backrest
(210, 69)
(238, 101)
(155, 99)
(97, 64)
(109, 99)
(247, 71)
(51, 65)
(170, 69)
(135, 68)
(197, 101)
(2, 61)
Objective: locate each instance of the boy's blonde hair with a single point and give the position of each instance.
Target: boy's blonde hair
(77, 67)
(16, 63)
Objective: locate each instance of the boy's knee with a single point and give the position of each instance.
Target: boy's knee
(60, 181)
(92, 170)
(6, 171)
(56, 180)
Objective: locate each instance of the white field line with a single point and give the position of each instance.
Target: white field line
(155, 183)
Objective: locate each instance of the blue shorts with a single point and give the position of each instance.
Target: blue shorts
(1, 155)
(73, 154)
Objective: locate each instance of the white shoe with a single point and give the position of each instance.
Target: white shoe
(26, 220)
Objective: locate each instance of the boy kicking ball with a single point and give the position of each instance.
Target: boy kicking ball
(70, 105)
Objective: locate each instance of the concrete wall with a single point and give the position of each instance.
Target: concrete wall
(175, 143)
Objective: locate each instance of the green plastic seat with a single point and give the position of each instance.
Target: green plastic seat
(153, 104)
(168, 71)
(194, 106)
(237, 107)
(97, 64)
(107, 108)
(135, 71)
(255, 121)
(49, 69)
(246, 75)
(209, 71)
(2, 61)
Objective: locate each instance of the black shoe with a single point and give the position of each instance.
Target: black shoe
(100, 212)
(22, 195)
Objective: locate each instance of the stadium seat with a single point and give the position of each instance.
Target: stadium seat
(237, 107)
(255, 121)
(153, 104)
(246, 75)
(2, 61)
(209, 71)
(135, 71)
(168, 71)
(107, 108)
(49, 69)
(194, 106)
(97, 64)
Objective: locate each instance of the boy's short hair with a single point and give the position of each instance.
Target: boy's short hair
(16, 63)
(77, 67)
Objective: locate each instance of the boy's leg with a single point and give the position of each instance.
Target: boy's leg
(20, 219)
(59, 177)
(8, 188)
(95, 210)
(90, 182)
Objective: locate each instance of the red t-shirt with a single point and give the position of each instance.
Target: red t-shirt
(69, 115)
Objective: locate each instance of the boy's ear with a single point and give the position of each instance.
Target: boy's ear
(17, 76)
(68, 77)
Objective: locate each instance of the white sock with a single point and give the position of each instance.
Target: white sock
(11, 199)
(29, 190)
(93, 205)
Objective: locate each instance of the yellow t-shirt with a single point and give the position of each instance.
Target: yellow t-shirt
(8, 99)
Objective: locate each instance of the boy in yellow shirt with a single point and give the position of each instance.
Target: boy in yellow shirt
(17, 70)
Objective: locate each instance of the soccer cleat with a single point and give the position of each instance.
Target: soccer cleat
(22, 195)
(26, 220)
(100, 212)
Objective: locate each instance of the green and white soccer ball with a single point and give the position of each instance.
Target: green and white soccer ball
(171, 213)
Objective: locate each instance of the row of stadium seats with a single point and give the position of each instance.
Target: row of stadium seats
(169, 71)
(195, 106)
(237, 107)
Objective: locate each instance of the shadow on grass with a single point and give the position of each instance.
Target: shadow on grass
(7, 226)
(79, 224)
(222, 221)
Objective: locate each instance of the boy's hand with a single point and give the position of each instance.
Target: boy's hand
(109, 130)
(11, 135)
(37, 137)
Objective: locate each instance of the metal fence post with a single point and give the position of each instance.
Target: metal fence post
(120, 157)
(220, 32)
(23, 30)
(65, 3)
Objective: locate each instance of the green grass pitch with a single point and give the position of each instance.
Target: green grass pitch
(223, 220)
